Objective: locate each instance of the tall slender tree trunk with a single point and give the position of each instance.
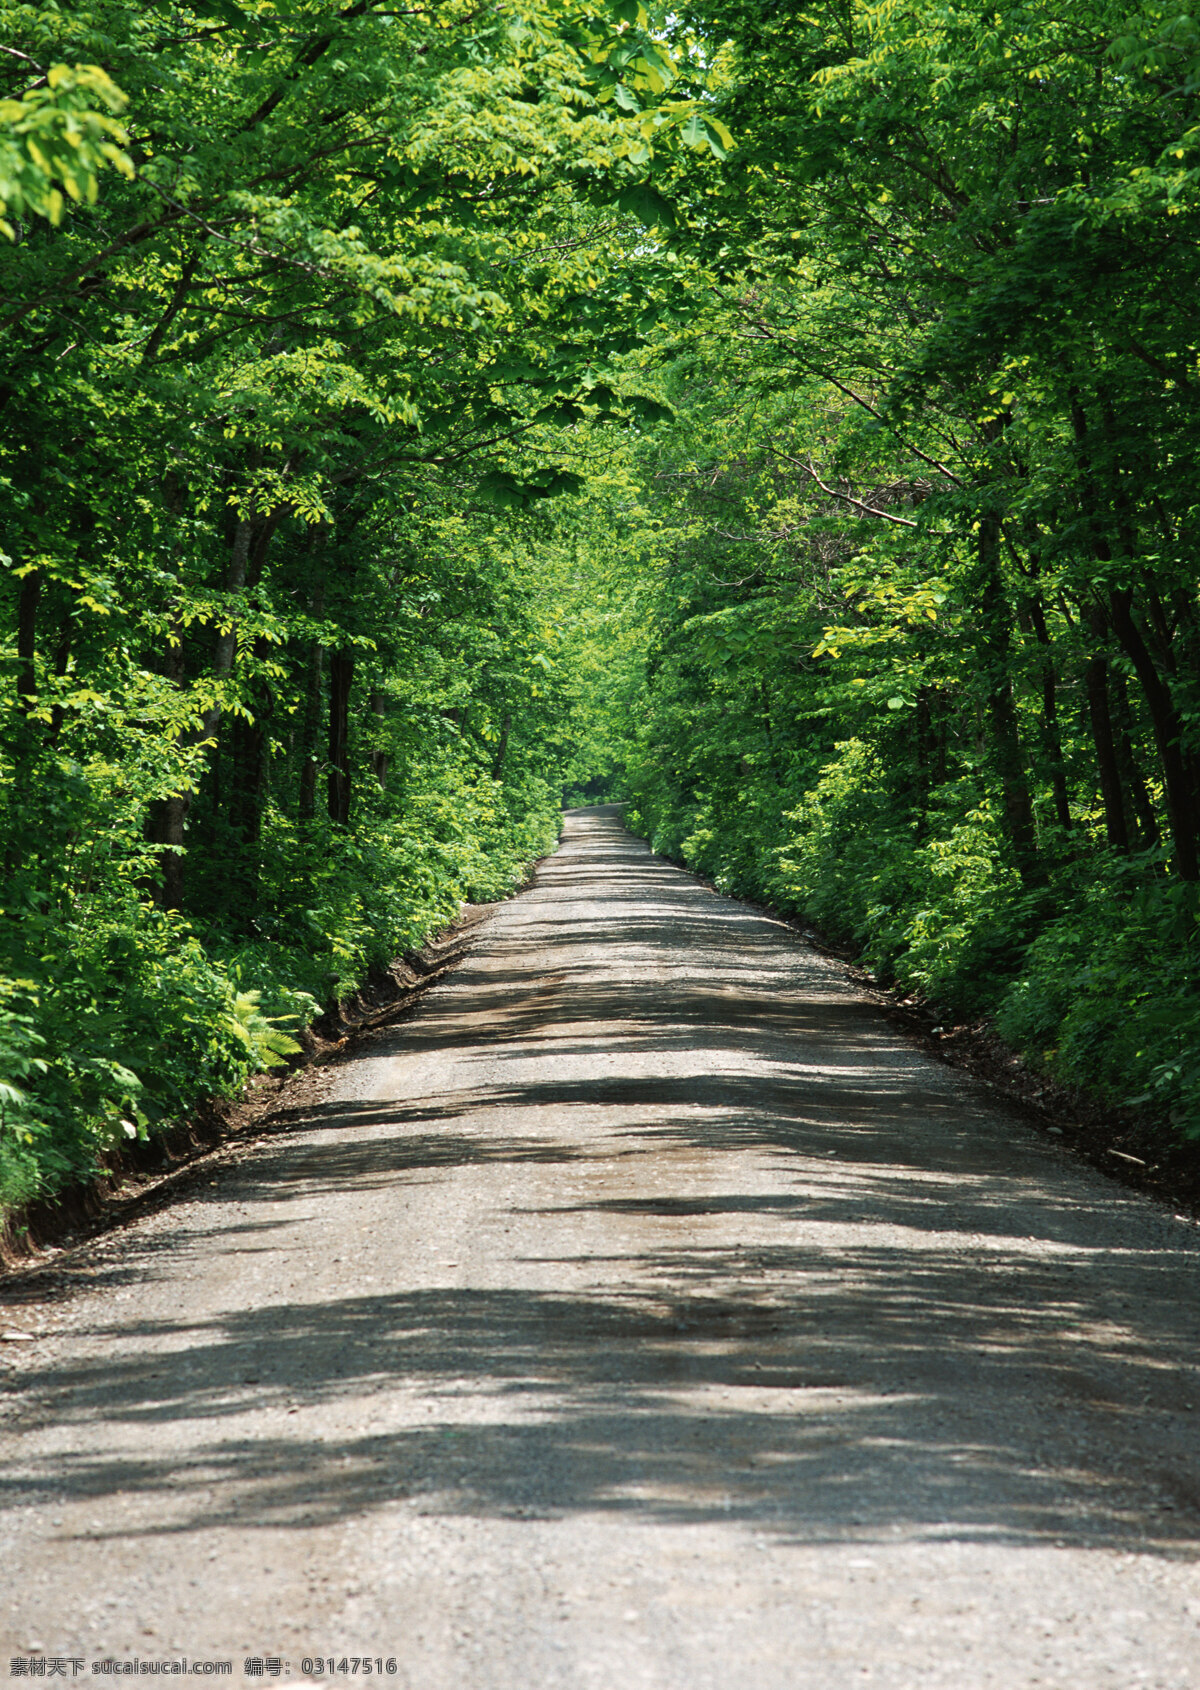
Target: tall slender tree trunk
(251, 739)
(1164, 717)
(1187, 646)
(167, 820)
(171, 821)
(341, 678)
(502, 748)
(311, 724)
(1003, 732)
(1135, 785)
(1116, 830)
(1168, 733)
(23, 741)
(1051, 735)
(250, 762)
(27, 609)
(249, 540)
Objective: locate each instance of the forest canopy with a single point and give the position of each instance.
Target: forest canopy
(409, 419)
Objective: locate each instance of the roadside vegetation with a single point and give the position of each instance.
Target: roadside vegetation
(925, 653)
(305, 306)
(407, 420)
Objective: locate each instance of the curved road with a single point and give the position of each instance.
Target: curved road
(642, 1312)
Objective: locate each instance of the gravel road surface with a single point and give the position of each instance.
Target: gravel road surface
(644, 1311)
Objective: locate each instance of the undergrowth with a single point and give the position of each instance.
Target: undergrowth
(117, 1017)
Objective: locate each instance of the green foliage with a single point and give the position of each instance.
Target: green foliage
(1109, 998)
(784, 420)
(296, 359)
(54, 139)
(131, 1018)
(922, 655)
(23, 1127)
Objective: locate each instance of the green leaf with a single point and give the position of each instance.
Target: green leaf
(647, 205)
(647, 409)
(500, 487)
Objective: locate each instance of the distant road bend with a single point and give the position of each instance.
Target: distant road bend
(644, 1311)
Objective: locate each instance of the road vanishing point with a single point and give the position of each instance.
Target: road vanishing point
(643, 1310)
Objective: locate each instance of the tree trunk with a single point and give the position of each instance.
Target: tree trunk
(502, 748)
(1096, 681)
(311, 725)
(167, 817)
(1002, 710)
(1187, 645)
(341, 677)
(1168, 729)
(1168, 733)
(169, 820)
(27, 608)
(1051, 737)
(248, 780)
(1135, 785)
(769, 731)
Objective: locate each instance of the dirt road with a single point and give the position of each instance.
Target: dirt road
(643, 1312)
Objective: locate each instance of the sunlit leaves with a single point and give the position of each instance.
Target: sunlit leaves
(57, 139)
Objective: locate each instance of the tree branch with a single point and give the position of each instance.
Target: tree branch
(848, 498)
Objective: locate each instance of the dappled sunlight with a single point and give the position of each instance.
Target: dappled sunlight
(803, 1266)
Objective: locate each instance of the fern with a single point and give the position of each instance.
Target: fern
(265, 1044)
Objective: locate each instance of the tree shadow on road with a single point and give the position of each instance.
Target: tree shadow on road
(822, 1296)
(821, 1392)
(837, 1421)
